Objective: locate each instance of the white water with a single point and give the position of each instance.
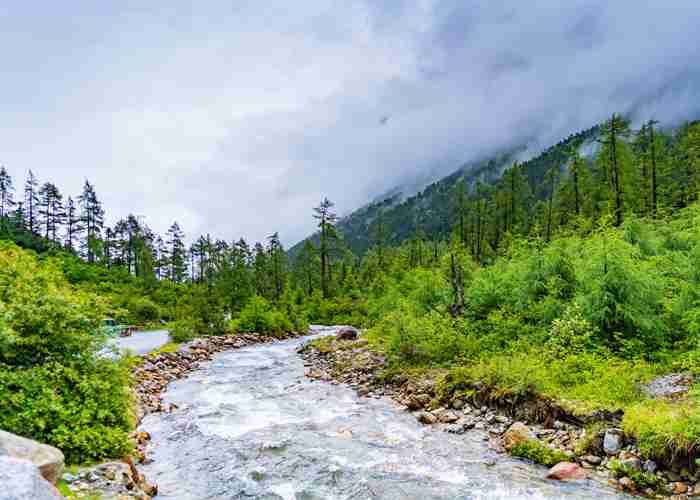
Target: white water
(250, 426)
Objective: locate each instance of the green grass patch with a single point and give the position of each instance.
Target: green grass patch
(539, 453)
(664, 429)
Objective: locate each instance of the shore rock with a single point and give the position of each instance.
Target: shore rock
(347, 333)
(48, 459)
(566, 471)
(613, 441)
(21, 480)
(516, 434)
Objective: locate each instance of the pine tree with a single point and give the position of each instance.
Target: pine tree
(177, 254)
(92, 216)
(51, 210)
(379, 237)
(31, 203)
(278, 265)
(326, 223)
(6, 194)
(74, 227)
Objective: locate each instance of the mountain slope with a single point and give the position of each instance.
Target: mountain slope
(431, 209)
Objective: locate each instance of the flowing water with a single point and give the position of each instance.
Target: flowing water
(250, 426)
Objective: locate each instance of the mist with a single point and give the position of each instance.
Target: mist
(235, 119)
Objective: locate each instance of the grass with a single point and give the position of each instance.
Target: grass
(642, 480)
(539, 453)
(665, 429)
(69, 494)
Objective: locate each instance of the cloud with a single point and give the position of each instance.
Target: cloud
(235, 119)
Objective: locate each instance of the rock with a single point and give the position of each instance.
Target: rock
(418, 401)
(48, 459)
(613, 441)
(679, 488)
(347, 333)
(592, 459)
(516, 434)
(566, 471)
(627, 484)
(426, 418)
(650, 466)
(446, 416)
(631, 462)
(502, 419)
(457, 404)
(21, 480)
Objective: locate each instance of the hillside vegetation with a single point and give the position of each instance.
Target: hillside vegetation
(573, 278)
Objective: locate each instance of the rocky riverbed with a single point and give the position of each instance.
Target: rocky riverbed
(605, 456)
(152, 373)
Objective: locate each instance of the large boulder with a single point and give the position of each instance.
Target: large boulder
(347, 333)
(21, 480)
(518, 433)
(566, 471)
(48, 459)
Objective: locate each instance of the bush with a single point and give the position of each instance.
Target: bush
(143, 310)
(182, 331)
(539, 453)
(53, 387)
(259, 316)
(81, 408)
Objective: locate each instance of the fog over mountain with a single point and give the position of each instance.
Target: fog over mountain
(235, 118)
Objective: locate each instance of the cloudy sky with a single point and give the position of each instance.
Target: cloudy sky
(235, 117)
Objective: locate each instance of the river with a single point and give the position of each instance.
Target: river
(251, 426)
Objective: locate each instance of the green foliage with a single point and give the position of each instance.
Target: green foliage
(663, 428)
(143, 310)
(182, 331)
(642, 480)
(259, 316)
(539, 453)
(52, 385)
(81, 408)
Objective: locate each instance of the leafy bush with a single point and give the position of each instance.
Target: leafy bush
(143, 309)
(182, 331)
(259, 316)
(642, 480)
(81, 408)
(53, 387)
(539, 453)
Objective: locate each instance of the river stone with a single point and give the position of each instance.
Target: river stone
(48, 459)
(613, 441)
(566, 471)
(426, 418)
(592, 459)
(21, 480)
(347, 333)
(518, 433)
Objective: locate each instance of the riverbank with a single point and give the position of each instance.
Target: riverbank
(595, 446)
(151, 374)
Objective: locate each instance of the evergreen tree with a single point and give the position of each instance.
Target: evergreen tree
(92, 217)
(177, 254)
(6, 194)
(51, 210)
(326, 224)
(73, 222)
(278, 265)
(31, 203)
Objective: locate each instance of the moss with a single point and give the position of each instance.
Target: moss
(539, 453)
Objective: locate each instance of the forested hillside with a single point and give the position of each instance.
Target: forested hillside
(596, 258)
(429, 213)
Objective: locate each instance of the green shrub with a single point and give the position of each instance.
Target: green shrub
(81, 408)
(539, 453)
(143, 310)
(53, 387)
(182, 331)
(642, 480)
